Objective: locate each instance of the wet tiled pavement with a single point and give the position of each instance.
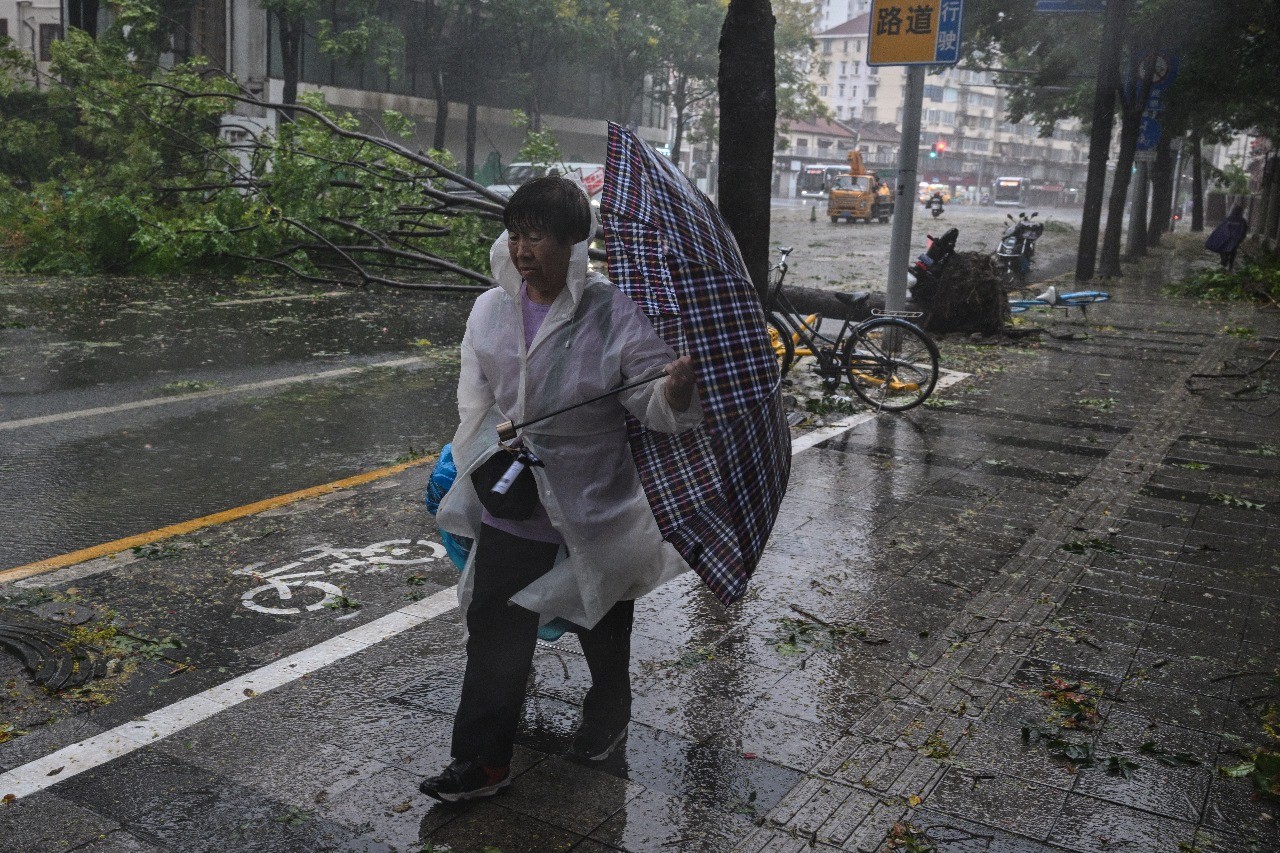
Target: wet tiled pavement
(1087, 535)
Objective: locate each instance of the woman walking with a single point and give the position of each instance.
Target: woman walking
(552, 335)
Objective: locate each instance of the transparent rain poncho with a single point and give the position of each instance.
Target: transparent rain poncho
(594, 339)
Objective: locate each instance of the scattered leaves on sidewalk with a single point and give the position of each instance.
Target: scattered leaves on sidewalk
(1101, 404)
(1074, 703)
(1094, 544)
(1262, 450)
(1118, 765)
(1233, 501)
(935, 746)
(1169, 759)
(908, 837)
(796, 635)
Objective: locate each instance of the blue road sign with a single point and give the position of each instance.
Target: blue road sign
(1149, 132)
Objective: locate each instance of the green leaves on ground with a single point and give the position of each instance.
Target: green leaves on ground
(1258, 279)
(1050, 736)
(796, 635)
(1094, 544)
(1169, 759)
(1118, 765)
(1233, 501)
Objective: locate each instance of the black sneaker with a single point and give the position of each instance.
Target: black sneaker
(466, 780)
(596, 743)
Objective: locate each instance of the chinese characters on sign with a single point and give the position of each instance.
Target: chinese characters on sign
(915, 32)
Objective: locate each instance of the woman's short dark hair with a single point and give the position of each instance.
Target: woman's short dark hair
(552, 204)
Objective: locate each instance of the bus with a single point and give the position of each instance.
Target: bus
(1011, 192)
(816, 181)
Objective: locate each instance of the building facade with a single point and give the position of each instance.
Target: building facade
(239, 37)
(965, 141)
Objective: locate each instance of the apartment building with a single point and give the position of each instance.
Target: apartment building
(33, 25)
(965, 140)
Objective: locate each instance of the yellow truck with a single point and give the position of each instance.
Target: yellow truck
(859, 195)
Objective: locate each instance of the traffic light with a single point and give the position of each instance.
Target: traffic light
(939, 147)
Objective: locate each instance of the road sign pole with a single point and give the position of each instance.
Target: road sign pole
(905, 204)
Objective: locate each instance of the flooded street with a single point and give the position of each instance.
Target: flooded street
(128, 404)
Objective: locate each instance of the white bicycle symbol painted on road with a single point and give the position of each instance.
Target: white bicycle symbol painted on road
(282, 581)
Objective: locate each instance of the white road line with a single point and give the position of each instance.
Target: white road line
(129, 737)
(42, 773)
(946, 379)
(200, 395)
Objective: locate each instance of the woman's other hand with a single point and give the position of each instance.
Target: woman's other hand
(679, 384)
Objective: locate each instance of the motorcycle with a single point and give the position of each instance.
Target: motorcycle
(1018, 248)
(925, 275)
(935, 206)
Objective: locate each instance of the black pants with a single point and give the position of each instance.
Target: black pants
(500, 645)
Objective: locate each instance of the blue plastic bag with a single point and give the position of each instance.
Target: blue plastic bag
(458, 547)
(442, 477)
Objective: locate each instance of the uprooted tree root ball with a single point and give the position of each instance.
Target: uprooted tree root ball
(969, 298)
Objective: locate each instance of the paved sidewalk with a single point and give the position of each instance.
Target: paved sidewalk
(1086, 535)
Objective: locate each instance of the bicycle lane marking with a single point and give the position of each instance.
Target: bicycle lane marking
(213, 392)
(106, 549)
(42, 773)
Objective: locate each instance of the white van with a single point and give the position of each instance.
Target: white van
(592, 175)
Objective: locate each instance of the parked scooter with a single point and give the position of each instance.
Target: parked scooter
(925, 275)
(1018, 248)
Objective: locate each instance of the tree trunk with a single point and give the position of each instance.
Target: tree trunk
(471, 139)
(1197, 184)
(748, 115)
(678, 104)
(1138, 214)
(1130, 124)
(290, 59)
(1162, 178)
(442, 110)
(1104, 105)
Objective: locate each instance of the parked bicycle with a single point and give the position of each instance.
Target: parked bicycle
(889, 362)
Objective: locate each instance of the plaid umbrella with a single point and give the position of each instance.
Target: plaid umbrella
(715, 490)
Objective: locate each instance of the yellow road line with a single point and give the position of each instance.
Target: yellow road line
(107, 548)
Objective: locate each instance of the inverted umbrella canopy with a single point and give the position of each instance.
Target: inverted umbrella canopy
(714, 491)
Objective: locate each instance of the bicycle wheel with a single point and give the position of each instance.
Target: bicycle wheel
(891, 364)
(780, 340)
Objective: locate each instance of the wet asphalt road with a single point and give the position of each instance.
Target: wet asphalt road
(127, 405)
(131, 404)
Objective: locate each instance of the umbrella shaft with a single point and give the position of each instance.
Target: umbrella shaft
(513, 427)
